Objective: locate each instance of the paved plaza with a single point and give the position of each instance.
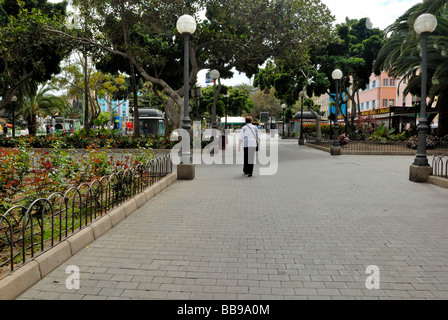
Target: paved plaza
(308, 232)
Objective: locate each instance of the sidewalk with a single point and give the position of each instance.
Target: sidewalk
(308, 232)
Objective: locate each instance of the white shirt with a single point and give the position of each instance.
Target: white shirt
(249, 135)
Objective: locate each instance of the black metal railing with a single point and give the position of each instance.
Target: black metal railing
(440, 165)
(26, 232)
(372, 147)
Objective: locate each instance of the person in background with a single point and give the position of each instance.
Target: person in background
(249, 138)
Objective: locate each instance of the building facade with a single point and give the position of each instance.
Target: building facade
(382, 101)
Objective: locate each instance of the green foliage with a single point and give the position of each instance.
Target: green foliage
(383, 134)
(39, 173)
(311, 129)
(102, 119)
(401, 55)
(353, 51)
(236, 100)
(14, 166)
(96, 139)
(28, 54)
(236, 35)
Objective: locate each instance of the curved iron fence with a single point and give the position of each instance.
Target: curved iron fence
(28, 231)
(440, 165)
(364, 147)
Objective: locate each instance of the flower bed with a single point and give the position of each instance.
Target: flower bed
(80, 141)
(27, 175)
(49, 195)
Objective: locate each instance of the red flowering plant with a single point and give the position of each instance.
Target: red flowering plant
(343, 139)
(39, 173)
(14, 164)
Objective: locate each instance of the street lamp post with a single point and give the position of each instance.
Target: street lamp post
(283, 122)
(391, 106)
(336, 148)
(186, 25)
(301, 140)
(420, 169)
(214, 74)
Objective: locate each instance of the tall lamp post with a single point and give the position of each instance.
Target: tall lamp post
(283, 122)
(336, 148)
(420, 169)
(301, 140)
(186, 25)
(214, 74)
(391, 106)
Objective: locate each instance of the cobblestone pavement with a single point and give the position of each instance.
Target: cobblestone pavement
(308, 232)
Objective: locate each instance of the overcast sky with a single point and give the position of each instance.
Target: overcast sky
(382, 13)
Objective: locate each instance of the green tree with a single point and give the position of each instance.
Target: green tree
(234, 100)
(265, 101)
(100, 85)
(234, 34)
(353, 51)
(400, 56)
(41, 103)
(238, 102)
(28, 53)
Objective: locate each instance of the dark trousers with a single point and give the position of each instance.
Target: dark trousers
(249, 160)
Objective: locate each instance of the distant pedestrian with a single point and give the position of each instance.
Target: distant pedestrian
(5, 129)
(250, 139)
(51, 130)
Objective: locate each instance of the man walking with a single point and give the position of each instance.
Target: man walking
(250, 140)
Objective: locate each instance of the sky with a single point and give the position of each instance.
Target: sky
(382, 13)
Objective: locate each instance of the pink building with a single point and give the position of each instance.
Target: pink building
(384, 91)
(385, 102)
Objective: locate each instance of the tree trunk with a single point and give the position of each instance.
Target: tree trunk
(318, 128)
(87, 124)
(32, 125)
(172, 113)
(136, 122)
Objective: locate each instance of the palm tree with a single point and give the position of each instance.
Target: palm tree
(43, 103)
(400, 55)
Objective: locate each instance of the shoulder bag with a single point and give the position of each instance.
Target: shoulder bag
(256, 140)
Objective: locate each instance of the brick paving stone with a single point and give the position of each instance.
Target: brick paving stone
(307, 232)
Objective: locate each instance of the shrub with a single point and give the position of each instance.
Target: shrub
(40, 173)
(432, 142)
(97, 139)
(343, 139)
(383, 134)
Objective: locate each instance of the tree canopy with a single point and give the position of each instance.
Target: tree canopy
(28, 54)
(231, 35)
(353, 51)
